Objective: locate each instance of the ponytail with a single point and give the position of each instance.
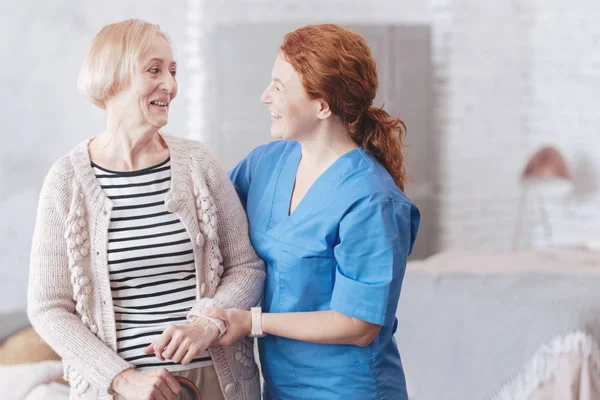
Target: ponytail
(336, 65)
(381, 135)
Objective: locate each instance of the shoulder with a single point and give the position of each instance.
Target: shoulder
(261, 160)
(371, 183)
(60, 173)
(190, 151)
(276, 147)
(63, 172)
(57, 187)
(269, 152)
(186, 147)
(196, 161)
(377, 194)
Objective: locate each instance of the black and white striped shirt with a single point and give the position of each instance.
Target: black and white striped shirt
(150, 262)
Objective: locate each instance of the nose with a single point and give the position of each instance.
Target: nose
(169, 84)
(265, 98)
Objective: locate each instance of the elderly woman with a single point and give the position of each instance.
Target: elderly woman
(137, 232)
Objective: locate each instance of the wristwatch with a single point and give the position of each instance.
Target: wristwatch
(256, 330)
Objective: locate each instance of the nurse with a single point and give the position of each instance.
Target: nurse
(328, 216)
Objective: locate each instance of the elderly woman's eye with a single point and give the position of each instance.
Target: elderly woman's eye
(154, 70)
(173, 73)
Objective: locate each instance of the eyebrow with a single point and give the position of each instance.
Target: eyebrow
(161, 61)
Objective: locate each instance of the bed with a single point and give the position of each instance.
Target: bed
(469, 322)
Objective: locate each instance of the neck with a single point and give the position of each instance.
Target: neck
(326, 144)
(124, 147)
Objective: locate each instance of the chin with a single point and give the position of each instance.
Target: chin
(276, 134)
(159, 123)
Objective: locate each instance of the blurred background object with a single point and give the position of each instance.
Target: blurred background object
(545, 171)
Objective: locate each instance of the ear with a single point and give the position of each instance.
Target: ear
(323, 111)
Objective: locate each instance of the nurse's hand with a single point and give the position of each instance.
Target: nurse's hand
(182, 343)
(238, 323)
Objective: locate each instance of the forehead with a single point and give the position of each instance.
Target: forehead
(159, 48)
(283, 70)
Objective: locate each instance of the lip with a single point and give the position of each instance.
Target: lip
(162, 100)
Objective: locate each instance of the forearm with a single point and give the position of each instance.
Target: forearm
(241, 288)
(326, 327)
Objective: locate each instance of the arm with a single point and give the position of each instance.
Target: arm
(367, 287)
(51, 308)
(321, 327)
(241, 284)
(325, 327)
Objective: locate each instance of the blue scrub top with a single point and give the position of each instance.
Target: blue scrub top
(344, 248)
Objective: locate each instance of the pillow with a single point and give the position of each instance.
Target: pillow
(25, 347)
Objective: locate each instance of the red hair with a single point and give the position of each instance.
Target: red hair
(336, 65)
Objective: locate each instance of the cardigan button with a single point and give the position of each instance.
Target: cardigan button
(229, 389)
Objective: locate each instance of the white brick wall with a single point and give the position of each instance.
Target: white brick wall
(564, 111)
(482, 128)
(43, 116)
(509, 76)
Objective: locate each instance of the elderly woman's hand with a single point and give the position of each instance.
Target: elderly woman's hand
(182, 343)
(238, 323)
(142, 385)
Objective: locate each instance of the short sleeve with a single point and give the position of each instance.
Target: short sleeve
(375, 241)
(241, 174)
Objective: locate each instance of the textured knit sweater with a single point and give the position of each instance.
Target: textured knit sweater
(69, 296)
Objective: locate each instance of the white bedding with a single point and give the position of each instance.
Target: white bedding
(468, 321)
(32, 382)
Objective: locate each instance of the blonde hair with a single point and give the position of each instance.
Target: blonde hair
(112, 58)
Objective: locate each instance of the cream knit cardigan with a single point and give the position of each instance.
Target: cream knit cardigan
(69, 296)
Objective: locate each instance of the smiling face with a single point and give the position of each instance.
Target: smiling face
(293, 113)
(147, 99)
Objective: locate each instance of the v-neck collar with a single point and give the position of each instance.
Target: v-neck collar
(317, 195)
